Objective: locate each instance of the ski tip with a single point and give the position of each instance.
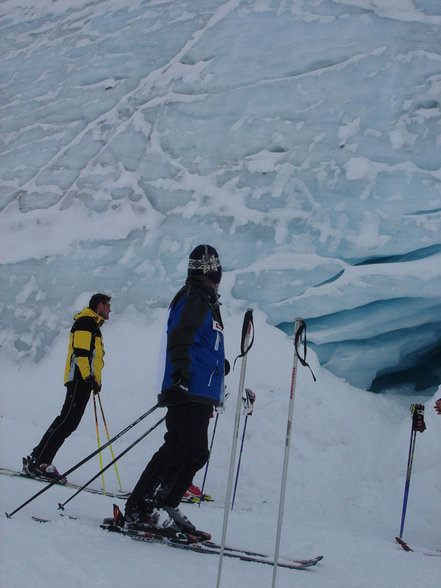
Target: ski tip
(403, 544)
(307, 563)
(40, 520)
(118, 517)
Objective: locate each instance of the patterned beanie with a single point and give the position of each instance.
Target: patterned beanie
(204, 261)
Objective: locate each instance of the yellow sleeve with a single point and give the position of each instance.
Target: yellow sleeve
(82, 340)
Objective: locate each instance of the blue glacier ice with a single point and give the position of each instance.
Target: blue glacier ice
(302, 138)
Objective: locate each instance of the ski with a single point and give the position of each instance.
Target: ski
(303, 562)
(17, 474)
(40, 520)
(196, 543)
(403, 544)
(207, 547)
(432, 554)
(73, 486)
(407, 547)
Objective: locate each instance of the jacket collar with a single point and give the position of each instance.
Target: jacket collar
(200, 283)
(89, 312)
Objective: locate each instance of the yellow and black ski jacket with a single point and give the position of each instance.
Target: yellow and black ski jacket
(85, 356)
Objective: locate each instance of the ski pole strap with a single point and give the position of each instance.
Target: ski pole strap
(248, 325)
(297, 341)
(248, 401)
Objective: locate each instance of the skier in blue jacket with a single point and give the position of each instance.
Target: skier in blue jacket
(193, 382)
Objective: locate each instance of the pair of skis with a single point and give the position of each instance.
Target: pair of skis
(119, 495)
(200, 542)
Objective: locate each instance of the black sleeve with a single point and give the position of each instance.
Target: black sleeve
(181, 337)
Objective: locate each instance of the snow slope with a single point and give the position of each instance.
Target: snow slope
(345, 484)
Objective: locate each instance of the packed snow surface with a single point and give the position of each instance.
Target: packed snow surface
(344, 493)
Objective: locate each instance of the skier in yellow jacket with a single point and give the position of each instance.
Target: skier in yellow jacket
(82, 376)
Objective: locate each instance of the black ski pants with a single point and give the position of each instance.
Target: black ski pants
(77, 397)
(170, 471)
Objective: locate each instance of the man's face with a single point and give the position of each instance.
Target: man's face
(103, 310)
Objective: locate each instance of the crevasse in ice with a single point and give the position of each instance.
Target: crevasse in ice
(302, 139)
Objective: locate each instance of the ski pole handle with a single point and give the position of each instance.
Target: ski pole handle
(300, 329)
(247, 338)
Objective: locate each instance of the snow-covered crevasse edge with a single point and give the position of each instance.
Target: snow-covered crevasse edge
(301, 140)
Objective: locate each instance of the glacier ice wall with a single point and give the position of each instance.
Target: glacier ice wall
(302, 138)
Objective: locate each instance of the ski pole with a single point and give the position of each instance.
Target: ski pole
(248, 404)
(238, 462)
(83, 461)
(209, 453)
(407, 482)
(98, 439)
(208, 460)
(413, 432)
(108, 438)
(246, 344)
(115, 459)
(300, 326)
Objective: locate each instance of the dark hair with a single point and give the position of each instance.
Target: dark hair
(96, 299)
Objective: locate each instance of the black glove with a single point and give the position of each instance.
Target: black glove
(226, 367)
(92, 384)
(174, 394)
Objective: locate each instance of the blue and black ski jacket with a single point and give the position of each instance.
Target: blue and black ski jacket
(195, 343)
